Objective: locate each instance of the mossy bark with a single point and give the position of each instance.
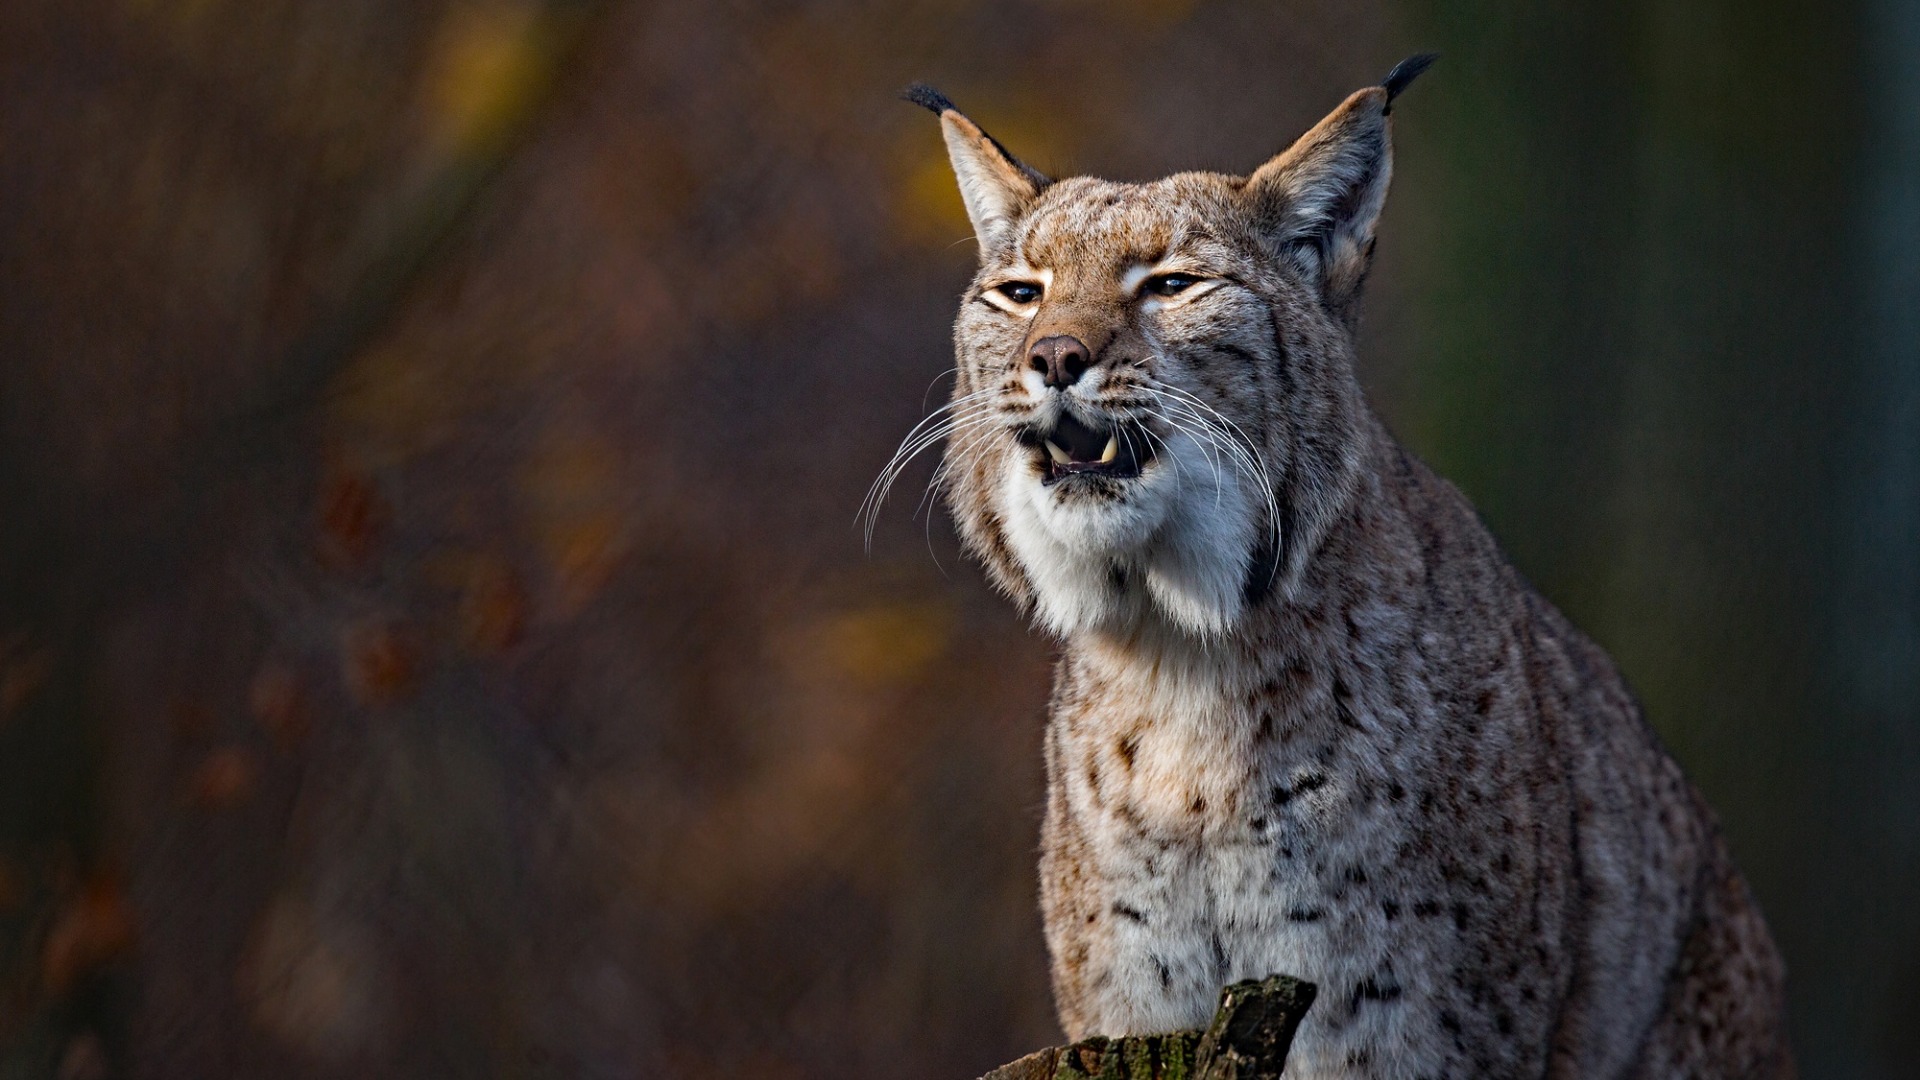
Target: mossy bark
(1248, 1040)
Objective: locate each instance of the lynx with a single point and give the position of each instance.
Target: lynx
(1306, 718)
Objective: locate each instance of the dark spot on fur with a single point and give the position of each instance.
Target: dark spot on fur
(1198, 805)
(1395, 792)
(1357, 874)
(1263, 572)
(1125, 912)
(1310, 782)
(1126, 748)
(1266, 726)
(1425, 909)
(1461, 916)
(1343, 704)
(1305, 915)
(1258, 824)
(1450, 1022)
(1391, 909)
(1166, 973)
(999, 555)
(1477, 992)
(1383, 989)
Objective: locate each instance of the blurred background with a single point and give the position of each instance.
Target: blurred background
(433, 636)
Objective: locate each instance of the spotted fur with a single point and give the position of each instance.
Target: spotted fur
(1307, 718)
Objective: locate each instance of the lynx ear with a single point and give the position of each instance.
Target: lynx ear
(1319, 200)
(994, 184)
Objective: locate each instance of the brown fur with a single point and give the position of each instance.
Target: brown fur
(1307, 718)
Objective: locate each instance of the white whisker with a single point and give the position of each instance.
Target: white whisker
(953, 456)
(914, 435)
(1225, 436)
(1209, 445)
(918, 441)
(884, 484)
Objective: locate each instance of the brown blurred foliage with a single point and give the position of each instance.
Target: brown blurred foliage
(442, 424)
(93, 925)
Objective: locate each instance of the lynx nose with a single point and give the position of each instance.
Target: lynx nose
(1060, 359)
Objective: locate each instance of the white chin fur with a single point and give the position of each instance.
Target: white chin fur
(1176, 545)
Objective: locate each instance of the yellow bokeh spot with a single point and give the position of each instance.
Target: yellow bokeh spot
(397, 403)
(928, 209)
(886, 643)
(572, 489)
(486, 72)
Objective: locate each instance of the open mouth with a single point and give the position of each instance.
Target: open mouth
(1074, 448)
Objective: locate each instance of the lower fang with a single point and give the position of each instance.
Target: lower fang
(1112, 451)
(1059, 456)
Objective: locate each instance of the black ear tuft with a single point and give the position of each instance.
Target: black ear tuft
(1404, 73)
(936, 102)
(927, 98)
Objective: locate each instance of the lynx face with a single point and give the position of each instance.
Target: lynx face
(1155, 408)
(1117, 347)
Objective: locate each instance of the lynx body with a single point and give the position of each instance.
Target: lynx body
(1307, 718)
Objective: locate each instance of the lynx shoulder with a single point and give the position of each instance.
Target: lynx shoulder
(1307, 719)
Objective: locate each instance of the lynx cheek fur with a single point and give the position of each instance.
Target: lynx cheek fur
(1307, 718)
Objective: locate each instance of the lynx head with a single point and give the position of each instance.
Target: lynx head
(1156, 415)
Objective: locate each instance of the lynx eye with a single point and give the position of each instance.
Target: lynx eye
(1020, 292)
(1168, 284)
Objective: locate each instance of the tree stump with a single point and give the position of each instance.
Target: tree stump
(1248, 1040)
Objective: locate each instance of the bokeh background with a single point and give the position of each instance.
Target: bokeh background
(433, 636)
